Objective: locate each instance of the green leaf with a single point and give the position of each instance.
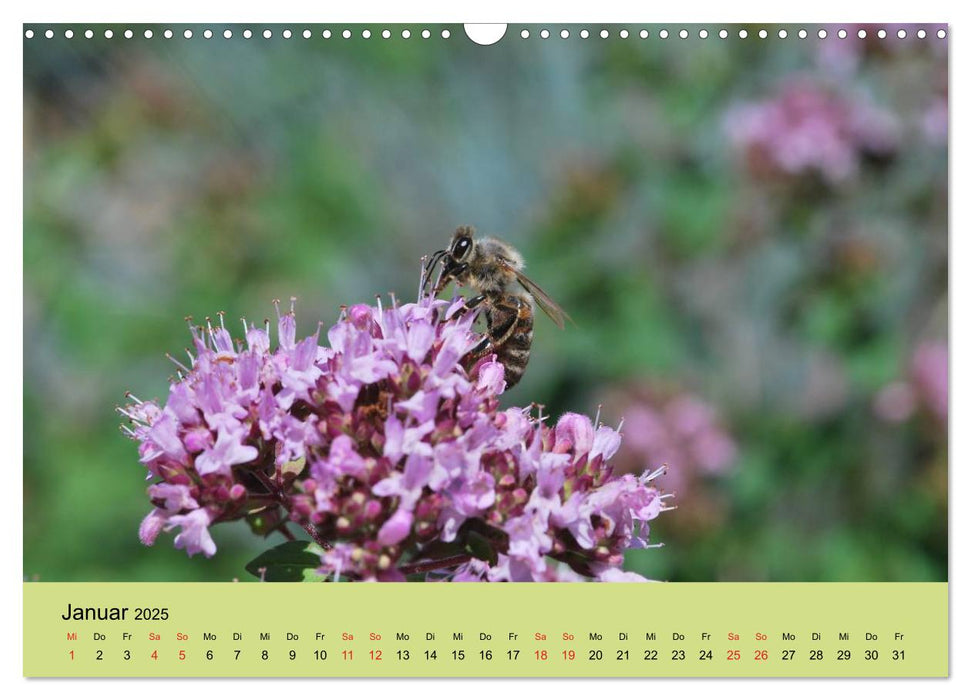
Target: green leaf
(290, 561)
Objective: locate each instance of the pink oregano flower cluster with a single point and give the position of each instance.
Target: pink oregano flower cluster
(389, 451)
(683, 431)
(806, 128)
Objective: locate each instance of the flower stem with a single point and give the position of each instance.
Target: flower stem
(284, 500)
(312, 531)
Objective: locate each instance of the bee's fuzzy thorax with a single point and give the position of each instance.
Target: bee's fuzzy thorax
(493, 247)
(486, 275)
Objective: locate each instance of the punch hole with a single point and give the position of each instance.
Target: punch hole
(88, 34)
(307, 34)
(703, 33)
(68, 34)
(763, 34)
(366, 34)
(129, 33)
(29, 34)
(446, 34)
(425, 34)
(287, 34)
(921, 34)
(723, 33)
(941, 34)
(624, 34)
(109, 33)
(485, 34)
(545, 34)
(247, 33)
(227, 34)
(148, 34)
(564, 33)
(663, 33)
(167, 34)
(386, 34)
(584, 34)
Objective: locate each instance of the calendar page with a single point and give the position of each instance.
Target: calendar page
(518, 350)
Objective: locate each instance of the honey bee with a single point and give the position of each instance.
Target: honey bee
(492, 268)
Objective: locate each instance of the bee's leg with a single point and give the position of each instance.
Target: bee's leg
(448, 272)
(484, 346)
(504, 319)
(480, 349)
(428, 267)
(422, 276)
(471, 304)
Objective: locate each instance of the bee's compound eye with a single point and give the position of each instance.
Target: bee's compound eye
(462, 247)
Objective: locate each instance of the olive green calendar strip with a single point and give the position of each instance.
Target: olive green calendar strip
(481, 630)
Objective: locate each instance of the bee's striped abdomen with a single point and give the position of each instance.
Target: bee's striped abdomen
(513, 350)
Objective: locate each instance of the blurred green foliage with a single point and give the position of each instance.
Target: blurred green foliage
(166, 178)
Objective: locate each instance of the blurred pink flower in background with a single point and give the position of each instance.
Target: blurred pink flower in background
(933, 123)
(683, 434)
(807, 128)
(928, 370)
(896, 402)
(666, 426)
(925, 388)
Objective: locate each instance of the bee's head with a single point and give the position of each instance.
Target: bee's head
(454, 260)
(462, 244)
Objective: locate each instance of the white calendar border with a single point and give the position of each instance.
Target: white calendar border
(513, 11)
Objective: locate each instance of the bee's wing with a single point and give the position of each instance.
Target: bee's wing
(551, 308)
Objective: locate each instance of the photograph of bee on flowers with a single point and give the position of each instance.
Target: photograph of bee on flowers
(586, 309)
